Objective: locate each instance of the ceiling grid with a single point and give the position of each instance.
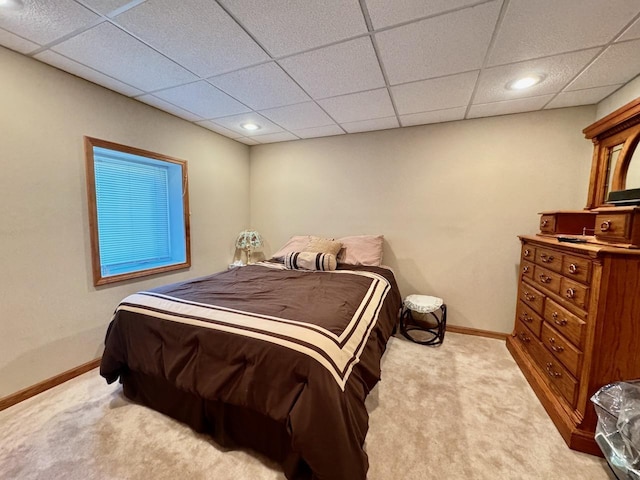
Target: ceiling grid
(305, 69)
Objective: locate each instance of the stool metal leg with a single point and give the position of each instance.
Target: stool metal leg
(442, 324)
(437, 332)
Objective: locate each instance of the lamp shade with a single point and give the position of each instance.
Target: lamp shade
(248, 239)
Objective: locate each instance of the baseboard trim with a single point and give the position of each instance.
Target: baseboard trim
(33, 390)
(477, 332)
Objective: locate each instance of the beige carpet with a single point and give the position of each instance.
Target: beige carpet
(460, 411)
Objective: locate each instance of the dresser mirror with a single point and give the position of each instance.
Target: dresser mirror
(616, 157)
(633, 171)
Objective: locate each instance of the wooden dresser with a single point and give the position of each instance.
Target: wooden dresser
(577, 327)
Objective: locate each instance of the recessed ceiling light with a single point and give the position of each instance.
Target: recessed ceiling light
(524, 82)
(11, 4)
(250, 126)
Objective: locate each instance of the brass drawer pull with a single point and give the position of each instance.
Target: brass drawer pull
(544, 223)
(546, 258)
(529, 297)
(526, 253)
(526, 318)
(573, 268)
(605, 226)
(561, 322)
(554, 347)
(551, 372)
(524, 338)
(544, 278)
(525, 269)
(571, 293)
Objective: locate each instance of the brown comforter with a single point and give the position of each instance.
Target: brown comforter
(302, 348)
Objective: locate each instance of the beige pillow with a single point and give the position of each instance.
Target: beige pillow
(323, 245)
(361, 250)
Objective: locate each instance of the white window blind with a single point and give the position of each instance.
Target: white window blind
(138, 228)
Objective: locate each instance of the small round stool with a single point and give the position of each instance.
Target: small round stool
(411, 326)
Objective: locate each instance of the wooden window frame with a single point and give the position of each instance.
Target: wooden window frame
(98, 278)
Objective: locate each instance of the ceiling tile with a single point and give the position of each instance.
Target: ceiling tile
(247, 141)
(369, 125)
(214, 127)
(632, 32)
(509, 106)
(537, 28)
(287, 26)
(202, 99)
(437, 116)
(316, 132)
(384, 13)
(111, 51)
(299, 116)
(588, 96)
(435, 94)
(275, 137)
(439, 46)
(14, 42)
(260, 87)
(105, 6)
(359, 106)
(233, 122)
(344, 68)
(619, 63)
(203, 39)
(63, 63)
(168, 107)
(43, 22)
(557, 72)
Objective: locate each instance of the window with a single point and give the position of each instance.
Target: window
(138, 212)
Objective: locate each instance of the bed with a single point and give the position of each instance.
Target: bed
(265, 357)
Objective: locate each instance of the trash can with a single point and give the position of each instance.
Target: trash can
(618, 430)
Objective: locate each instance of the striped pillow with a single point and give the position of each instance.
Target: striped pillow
(310, 261)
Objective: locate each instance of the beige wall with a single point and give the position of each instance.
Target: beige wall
(617, 99)
(449, 198)
(51, 316)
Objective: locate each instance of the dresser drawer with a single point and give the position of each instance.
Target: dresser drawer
(526, 269)
(574, 292)
(549, 259)
(528, 252)
(524, 336)
(532, 297)
(529, 318)
(569, 325)
(548, 224)
(553, 371)
(618, 225)
(562, 349)
(614, 226)
(576, 268)
(547, 279)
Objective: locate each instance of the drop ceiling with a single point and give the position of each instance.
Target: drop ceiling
(312, 68)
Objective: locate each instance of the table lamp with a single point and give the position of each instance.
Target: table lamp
(249, 240)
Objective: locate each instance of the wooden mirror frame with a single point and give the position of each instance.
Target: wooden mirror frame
(620, 126)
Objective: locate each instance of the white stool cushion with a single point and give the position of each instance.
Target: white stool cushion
(423, 303)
